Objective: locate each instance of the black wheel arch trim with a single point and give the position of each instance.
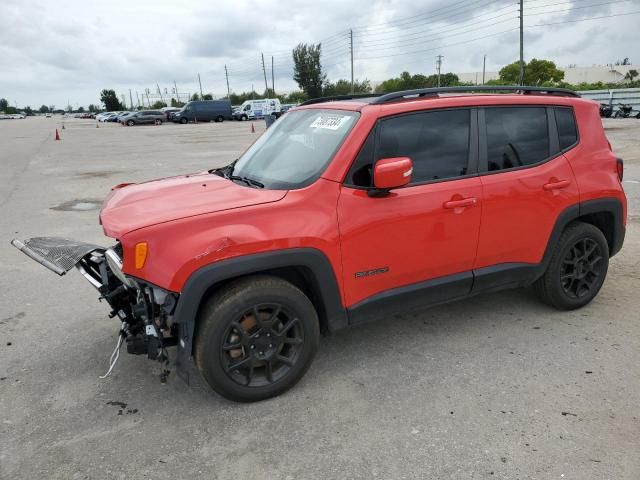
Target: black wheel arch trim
(203, 279)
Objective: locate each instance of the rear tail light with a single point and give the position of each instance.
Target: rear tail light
(620, 168)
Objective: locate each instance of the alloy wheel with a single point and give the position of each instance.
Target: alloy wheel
(581, 268)
(261, 346)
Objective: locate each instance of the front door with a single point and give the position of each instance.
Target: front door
(420, 235)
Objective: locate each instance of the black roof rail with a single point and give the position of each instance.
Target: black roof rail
(434, 92)
(339, 97)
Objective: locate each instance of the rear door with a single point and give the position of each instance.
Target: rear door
(526, 184)
(424, 231)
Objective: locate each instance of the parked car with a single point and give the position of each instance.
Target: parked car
(155, 117)
(403, 200)
(101, 116)
(47, 115)
(252, 109)
(204, 111)
(168, 111)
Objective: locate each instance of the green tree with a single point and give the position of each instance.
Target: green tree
(158, 105)
(406, 81)
(631, 74)
(343, 87)
(207, 96)
(307, 70)
(43, 109)
(536, 72)
(28, 111)
(176, 103)
(295, 97)
(92, 108)
(110, 101)
(195, 97)
(3, 104)
(11, 110)
(80, 110)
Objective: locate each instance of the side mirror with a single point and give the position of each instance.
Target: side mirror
(390, 173)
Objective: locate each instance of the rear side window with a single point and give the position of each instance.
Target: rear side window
(516, 137)
(437, 142)
(567, 130)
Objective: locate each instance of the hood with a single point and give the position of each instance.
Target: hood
(132, 206)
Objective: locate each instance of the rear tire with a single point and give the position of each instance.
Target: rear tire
(131, 123)
(256, 338)
(219, 119)
(183, 120)
(577, 268)
(158, 122)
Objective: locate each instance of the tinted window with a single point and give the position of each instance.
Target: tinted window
(516, 136)
(567, 132)
(437, 142)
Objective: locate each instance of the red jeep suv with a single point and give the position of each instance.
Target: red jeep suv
(352, 208)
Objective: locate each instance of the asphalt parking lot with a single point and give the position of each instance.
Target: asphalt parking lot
(498, 386)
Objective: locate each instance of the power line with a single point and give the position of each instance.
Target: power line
(437, 35)
(584, 19)
(413, 18)
(576, 8)
(421, 24)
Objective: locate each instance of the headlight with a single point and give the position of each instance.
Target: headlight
(115, 265)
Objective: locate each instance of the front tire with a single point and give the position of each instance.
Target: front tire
(131, 123)
(158, 122)
(183, 120)
(256, 338)
(577, 268)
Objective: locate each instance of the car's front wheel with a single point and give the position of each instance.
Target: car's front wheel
(256, 338)
(131, 123)
(158, 121)
(577, 268)
(183, 120)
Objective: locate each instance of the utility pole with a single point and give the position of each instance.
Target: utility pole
(226, 74)
(264, 70)
(521, 42)
(137, 99)
(252, 92)
(175, 86)
(273, 79)
(484, 67)
(130, 99)
(160, 93)
(200, 86)
(351, 52)
(438, 67)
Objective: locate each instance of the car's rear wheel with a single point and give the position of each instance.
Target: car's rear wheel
(219, 118)
(183, 120)
(256, 338)
(577, 268)
(131, 123)
(158, 121)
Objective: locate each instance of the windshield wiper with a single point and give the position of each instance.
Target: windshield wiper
(249, 181)
(224, 171)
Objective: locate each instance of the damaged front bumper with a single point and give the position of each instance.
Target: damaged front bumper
(144, 310)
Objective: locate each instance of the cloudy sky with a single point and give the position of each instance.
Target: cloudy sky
(66, 51)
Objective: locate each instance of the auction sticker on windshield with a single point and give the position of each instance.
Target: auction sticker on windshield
(329, 121)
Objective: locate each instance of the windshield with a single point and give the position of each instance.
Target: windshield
(298, 147)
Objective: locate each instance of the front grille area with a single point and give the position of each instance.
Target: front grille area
(57, 254)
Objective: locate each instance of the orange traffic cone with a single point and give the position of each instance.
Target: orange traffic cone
(253, 128)
(57, 135)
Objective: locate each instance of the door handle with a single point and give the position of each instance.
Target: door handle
(465, 202)
(556, 185)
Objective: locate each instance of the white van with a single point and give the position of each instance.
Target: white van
(252, 109)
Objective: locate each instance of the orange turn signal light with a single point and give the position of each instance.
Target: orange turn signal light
(142, 249)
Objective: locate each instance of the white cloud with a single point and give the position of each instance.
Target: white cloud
(68, 50)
